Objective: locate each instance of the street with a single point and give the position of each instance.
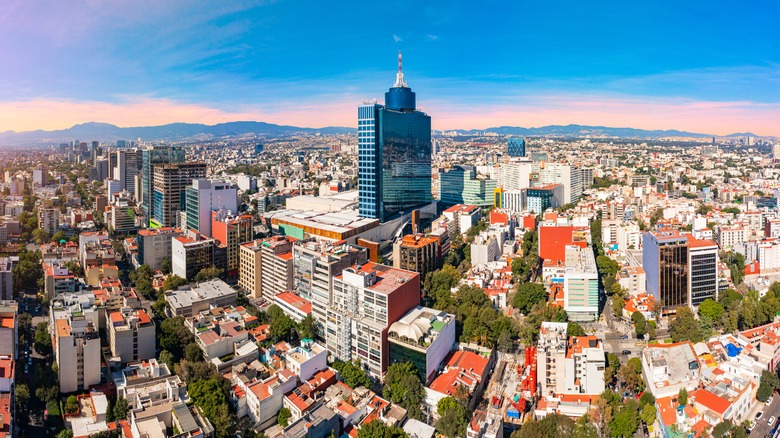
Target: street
(761, 429)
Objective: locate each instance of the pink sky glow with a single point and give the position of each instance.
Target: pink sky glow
(719, 118)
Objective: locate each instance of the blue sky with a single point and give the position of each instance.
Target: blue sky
(703, 66)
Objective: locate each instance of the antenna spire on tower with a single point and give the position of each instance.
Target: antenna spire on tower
(399, 77)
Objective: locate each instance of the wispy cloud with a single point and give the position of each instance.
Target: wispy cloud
(432, 37)
(397, 38)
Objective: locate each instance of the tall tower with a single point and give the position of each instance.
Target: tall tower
(394, 153)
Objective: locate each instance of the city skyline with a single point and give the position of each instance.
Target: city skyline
(710, 71)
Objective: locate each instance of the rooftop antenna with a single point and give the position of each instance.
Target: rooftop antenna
(399, 77)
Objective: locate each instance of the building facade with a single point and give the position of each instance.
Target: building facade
(665, 261)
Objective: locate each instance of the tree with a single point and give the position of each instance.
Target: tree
(583, 428)
(42, 339)
(768, 384)
(640, 323)
(648, 414)
(403, 387)
(28, 271)
(378, 429)
(574, 329)
(618, 302)
(173, 335)
(626, 421)
(712, 310)
(208, 273)
(307, 328)
(173, 282)
(453, 417)
(166, 357)
(613, 364)
(165, 265)
(65, 433)
(552, 425)
(352, 374)
(281, 327)
(438, 285)
(192, 352)
(46, 393)
(71, 405)
(40, 236)
(58, 237)
(210, 394)
(631, 374)
(120, 409)
(22, 396)
(682, 397)
(684, 326)
(527, 295)
(283, 417)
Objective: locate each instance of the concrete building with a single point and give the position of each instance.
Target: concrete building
(668, 368)
(193, 299)
(231, 231)
(539, 199)
(464, 216)
(418, 253)
(633, 279)
(277, 266)
(366, 300)
(460, 185)
(49, 219)
(728, 237)
(702, 270)
(581, 284)
(170, 182)
(122, 213)
(155, 245)
(423, 337)
(58, 280)
(315, 264)
(250, 268)
(190, 253)
(9, 328)
(569, 365)
(294, 306)
(206, 196)
(6, 279)
(77, 351)
(131, 335)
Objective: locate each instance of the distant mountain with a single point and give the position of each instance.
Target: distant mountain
(183, 131)
(584, 130)
(173, 131)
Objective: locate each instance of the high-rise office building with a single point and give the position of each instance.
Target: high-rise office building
(170, 181)
(394, 154)
(150, 157)
(460, 185)
(205, 196)
(703, 269)
(665, 261)
(516, 147)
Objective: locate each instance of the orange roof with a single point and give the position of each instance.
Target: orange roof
(668, 414)
(711, 401)
(294, 301)
(63, 328)
(7, 322)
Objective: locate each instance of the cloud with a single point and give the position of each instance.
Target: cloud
(397, 39)
(432, 37)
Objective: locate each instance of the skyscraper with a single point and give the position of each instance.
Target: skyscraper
(170, 182)
(665, 261)
(516, 147)
(394, 153)
(150, 157)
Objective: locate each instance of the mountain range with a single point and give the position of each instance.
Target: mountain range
(182, 131)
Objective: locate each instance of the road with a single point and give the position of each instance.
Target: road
(761, 429)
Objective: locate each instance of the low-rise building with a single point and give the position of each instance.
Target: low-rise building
(294, 306)
(423, 337)
(668, 368)
(191, 300)
(131, 335)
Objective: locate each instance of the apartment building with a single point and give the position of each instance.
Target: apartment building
(131, 335)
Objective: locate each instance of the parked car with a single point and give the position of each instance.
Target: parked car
(759, 414)
(769, 400)
(771, 421)
(624, 337)
(626, 352)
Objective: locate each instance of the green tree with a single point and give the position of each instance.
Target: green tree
(58, 237)
(684, 326)
(22, 396)
(352, 374)
(613, 365)
(640, 323)
(626, 421)
(438, 285)
(283, 417)
(307, 328)
(165, 265)
(682, 397)
(574, 329)
(711, 309)
(167, 358)
(453, 417)
(648, 414)
(281, 327)
(378, 429)
(28, 272)
(403, 387)
(120, 409)
(618, 302)
(173, 282)
(192, 352)
(527, 295)
(71, 405)
(43, 343)
(631, 374)
(210, 395)
(173, 335)
(583, 428)
(65, 433)
(768, 384)
(552, 425)
(208, 273)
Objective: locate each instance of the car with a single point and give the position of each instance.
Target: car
(26, 370)
(769, 400)
(759, 414)
(29, 361)
(624, 337)
(626, 352)
(771, 421)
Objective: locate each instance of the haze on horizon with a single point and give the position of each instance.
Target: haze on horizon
(709, 68)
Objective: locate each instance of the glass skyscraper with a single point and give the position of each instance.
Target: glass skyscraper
(516, 146)
(150, 157)
(394, 154)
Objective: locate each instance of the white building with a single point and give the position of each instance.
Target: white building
(580, 284)
(131, 335)
(77, 351)
(668, 368)
(569, 365)
(155, 245)
(205, 196)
